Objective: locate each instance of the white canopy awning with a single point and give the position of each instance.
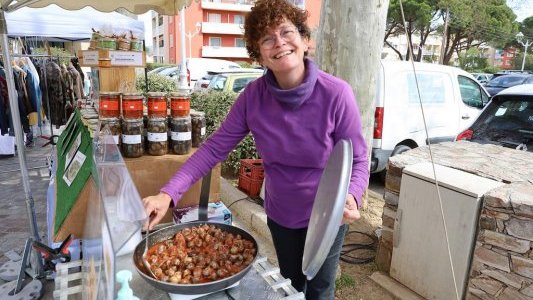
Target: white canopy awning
(53, 22)
(165, 7)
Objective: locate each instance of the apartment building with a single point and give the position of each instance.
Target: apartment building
(213, 29)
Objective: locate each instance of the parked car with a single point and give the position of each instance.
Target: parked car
(482, 77)
(451, 99)
(503, 82)
(198, 67)
(234, 82)
(507, 120)
(158, 69)
(510, 72)
(203, 83)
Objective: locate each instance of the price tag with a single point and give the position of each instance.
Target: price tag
(126, 58)
(90, 58)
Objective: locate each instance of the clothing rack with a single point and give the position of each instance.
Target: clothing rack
(45, 95)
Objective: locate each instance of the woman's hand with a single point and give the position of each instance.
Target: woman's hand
(351, 213)
(155, 208)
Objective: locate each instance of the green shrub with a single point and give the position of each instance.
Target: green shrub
(491, 70)
(156, 83)
(151, 66)
(216, 106)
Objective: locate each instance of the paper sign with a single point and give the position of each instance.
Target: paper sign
(90, 57)
(73, 149)
(126, 58)
(74, 168)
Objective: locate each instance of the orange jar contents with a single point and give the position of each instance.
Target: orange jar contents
(157, 105)
(180, 104)
(109, 106)
(132, 105)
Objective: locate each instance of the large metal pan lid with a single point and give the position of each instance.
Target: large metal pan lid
(326, 216)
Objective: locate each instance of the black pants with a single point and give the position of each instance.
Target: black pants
(289, 244)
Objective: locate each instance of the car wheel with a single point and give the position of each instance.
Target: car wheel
(397, 150)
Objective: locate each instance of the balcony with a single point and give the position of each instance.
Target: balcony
(236, 52)
(222, 28)
(228, 5)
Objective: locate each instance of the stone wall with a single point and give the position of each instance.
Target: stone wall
(502, 267)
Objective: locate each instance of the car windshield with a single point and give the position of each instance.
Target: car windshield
(508, 121)
(217, 83)
(506, 81)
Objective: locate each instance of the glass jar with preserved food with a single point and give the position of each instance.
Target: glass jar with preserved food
(157, 105)
(109, 105)
(157, 136)
(132, 105)
(114, 127)
(132, 137)
(181, 135)
(198, 127)
(180, 103)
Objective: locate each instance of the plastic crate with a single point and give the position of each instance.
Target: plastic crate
(249, 186)
(252, 168)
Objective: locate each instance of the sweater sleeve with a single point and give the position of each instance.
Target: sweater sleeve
(348, 126)
(215, 149)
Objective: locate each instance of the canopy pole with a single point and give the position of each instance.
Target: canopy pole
(183, 68)
(15, 116)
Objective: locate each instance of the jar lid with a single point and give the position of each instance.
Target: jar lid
(132, 94)
(139, 120)
(197, 113)
(109, 93)
(187, 118)
(156, 94)
(180, 93)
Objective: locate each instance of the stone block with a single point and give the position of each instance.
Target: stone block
(387, 237)
(528, 291)
(510, 279)
(487, 284)
(486, 222)
(497, 214)
(520, 228)
(389, 211)
(393, 183)
(479, 293)
(492, 259)
(395, 169)
(391, 198)
(387, 221)
(522, 266)
(512, 294)
(383, 257)
(498, 198)
(522, 199)
(506, 242)
(500, 225)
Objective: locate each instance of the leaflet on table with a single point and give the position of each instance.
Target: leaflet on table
(74, 168)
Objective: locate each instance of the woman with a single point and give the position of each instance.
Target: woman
(296, 114)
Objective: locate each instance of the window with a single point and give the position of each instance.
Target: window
(161, 41)
(155, 42)
(471, 93)
(214, 18)
(239, 42)
(215, 42)
(238, 19)
(435, 88)
(217, 83)
(160, 21)
(240, 83)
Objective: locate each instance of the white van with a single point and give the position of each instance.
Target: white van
(452, 100)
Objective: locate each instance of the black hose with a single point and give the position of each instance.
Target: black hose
(347, 251)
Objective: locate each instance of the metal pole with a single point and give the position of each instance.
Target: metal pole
(189, 35)
(183, 69)
(526, 45)
(18, 134)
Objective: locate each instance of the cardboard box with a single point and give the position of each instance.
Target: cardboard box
(150, 173)
(216, 212)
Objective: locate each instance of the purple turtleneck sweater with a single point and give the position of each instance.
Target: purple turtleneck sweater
(294, 131)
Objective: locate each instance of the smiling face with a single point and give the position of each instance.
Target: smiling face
(282, 50)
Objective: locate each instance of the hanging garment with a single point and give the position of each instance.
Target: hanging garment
(33, 88)
(24, 104)
(77, 83)
(54, 80)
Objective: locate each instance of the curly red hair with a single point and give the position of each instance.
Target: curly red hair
(267, 14)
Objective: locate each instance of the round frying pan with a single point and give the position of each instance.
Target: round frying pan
(168, 232)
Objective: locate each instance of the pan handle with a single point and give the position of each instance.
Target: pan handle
(204, 197)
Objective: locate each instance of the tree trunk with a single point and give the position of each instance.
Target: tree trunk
(349, 45)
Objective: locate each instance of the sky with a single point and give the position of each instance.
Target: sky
(522, 8)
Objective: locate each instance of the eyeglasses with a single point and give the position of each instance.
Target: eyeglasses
(287, 34)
